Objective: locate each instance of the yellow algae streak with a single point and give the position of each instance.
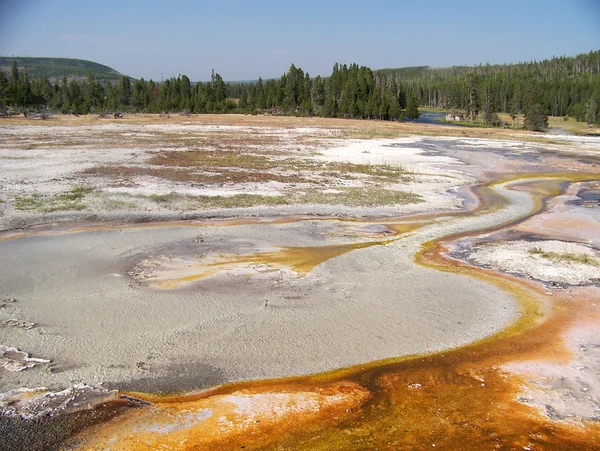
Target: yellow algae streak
(406, 227)
(297, 259)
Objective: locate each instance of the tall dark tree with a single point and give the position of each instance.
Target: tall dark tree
(243, 102)
(12, 92)
(536, 117)
(3, 86)
(473, 102)
(219, 92)
(412, 108)
(185, 102)
(124, 92)
(591, 115)
(260, 95)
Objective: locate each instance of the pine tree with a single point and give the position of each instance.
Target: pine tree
(473, 103)
(591, 115)
(185, 94)
(243, 102)
(25, 96)
(124, 91)
(260, 95)
(536, 118)
(12, 93)
(219, 91)
(319, 94)
(3, 86)
(139, 95)
(412, 108)
(394, 108)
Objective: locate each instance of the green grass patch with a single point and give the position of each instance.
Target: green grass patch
(573, 126)
(236, 201)
(27, 202)
(117, 204)
(434, 110)
(14, 157)
(566, 257)
(51, 206)
(162, 198)
(373, 133)
(178, 202)
(360, 197)
(76, 193)
(70, 200)
(213, 159)
(388, 171)
(467, 124)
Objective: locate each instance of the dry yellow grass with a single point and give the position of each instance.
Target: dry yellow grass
(573, 126)
(558, 122)
(349, 128)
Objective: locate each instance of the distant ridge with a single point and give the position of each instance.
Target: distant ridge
(557, 67)
(404, 72)
(56, 68)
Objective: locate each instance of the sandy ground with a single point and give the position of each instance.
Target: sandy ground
(253, 315)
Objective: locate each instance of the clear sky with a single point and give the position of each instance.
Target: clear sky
(243, 40)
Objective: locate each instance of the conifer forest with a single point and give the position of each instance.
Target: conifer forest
(561, 86)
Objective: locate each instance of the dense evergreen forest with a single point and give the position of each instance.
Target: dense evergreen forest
(561, 86)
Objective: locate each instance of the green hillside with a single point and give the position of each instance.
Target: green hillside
(55, 68)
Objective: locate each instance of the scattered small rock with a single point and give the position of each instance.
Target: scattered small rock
(17, 323)
(38, 402)
(3, 302)
(11, 359)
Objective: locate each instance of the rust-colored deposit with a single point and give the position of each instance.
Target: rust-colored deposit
(242, 418)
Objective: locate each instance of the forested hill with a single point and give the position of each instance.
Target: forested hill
(56, 68)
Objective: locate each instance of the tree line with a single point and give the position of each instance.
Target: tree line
(350, 91)
(561, 86)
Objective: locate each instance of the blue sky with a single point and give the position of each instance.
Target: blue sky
(246, 39)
